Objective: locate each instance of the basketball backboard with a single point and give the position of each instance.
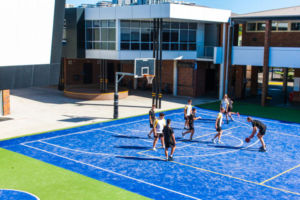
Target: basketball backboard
(144, 66)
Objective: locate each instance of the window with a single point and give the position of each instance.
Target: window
(261, 26)
(138, 35)
(283, 26)
(274, 26)
(101, 34)
(251, 27)
(295, 26)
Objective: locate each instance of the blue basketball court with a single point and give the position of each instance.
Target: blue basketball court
(119, 153)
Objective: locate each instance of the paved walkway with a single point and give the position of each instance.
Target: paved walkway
(35, 110)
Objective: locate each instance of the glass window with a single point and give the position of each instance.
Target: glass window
(96, 45)
(174, 35)
(111, 23)
(174, 46)
(251, 26)
(184, 25)
(125, 46)
(96, 23)
(96, 34)
(184, 35)
(125, 24)
(104, 34)
(274, 26)
(125, 34)
(261, 26)
(183, 46)
(193, 26)
(145, 46)
(295, 26)
(166, 36)
(103, 45)
(135, 46)
(89, 34)
(104, 23)
(165, 46)
(192, 46)
(89, 24)
(111, 45)
(135, 24)
(89, 45)
(135, 35)
(145, 35)
(145, 24)
(192, 36)
(283, 26)
(175, 25)
(166, 25)
(111, 34)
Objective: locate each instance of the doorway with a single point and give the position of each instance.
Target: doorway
(87, 73)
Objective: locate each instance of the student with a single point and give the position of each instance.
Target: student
(170, 141)
(230, 108)
(187, 113)
(261, 132)
(151, 119)
(218, 126)
(191, 120)
(158, 127)
(224, 104)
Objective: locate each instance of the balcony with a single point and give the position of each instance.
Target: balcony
(205, 53)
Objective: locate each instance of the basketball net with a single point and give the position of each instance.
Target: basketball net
(149, 78)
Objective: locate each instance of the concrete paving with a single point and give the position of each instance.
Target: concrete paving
(35, 110)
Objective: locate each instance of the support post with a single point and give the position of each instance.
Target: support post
(285, 82)
(175, 77)
(222, 66)
(266, 63)
(160, 61)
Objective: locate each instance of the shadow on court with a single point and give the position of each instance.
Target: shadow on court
(139, 158)
(132, 147)
(237, 148)
(128, 137)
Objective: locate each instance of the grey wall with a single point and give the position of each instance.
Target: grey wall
(12, 77)
(75, 33)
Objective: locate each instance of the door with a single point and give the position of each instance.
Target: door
(87, 73)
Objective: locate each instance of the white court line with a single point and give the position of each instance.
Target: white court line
(112, 172)
(21, 191)
(221, 153)
(82, 132)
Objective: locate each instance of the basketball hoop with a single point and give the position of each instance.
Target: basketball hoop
(149, 78)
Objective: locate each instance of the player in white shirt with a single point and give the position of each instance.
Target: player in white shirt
(187, 113)
(218, 126)
(225, 105)
(159, 125)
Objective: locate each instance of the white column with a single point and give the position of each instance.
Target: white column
(175, 77)
(221, 85)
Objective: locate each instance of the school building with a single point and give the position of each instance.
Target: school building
(115, 36)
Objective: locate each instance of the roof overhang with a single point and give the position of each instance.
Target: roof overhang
(166, 11)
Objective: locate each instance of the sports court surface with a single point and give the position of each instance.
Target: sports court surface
(118, 153)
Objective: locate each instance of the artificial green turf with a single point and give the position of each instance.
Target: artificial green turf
(270, 112)
(49, 182)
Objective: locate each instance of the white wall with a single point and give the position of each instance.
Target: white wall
(175, 11)
(248, 56)
(26, 32)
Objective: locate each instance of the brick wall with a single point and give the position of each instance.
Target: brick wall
(278, 39)
(185, 85)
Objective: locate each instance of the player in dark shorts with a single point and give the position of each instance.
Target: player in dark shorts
(191, 121)
(218, 126)
(151, 120)
(262, 128)
(170, 141)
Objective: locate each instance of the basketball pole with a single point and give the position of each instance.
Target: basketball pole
(154, 56)
(156, 62)
(116, 95)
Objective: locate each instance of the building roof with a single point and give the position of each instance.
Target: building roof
(290, 12)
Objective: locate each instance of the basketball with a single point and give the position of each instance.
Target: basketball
(247, 140)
